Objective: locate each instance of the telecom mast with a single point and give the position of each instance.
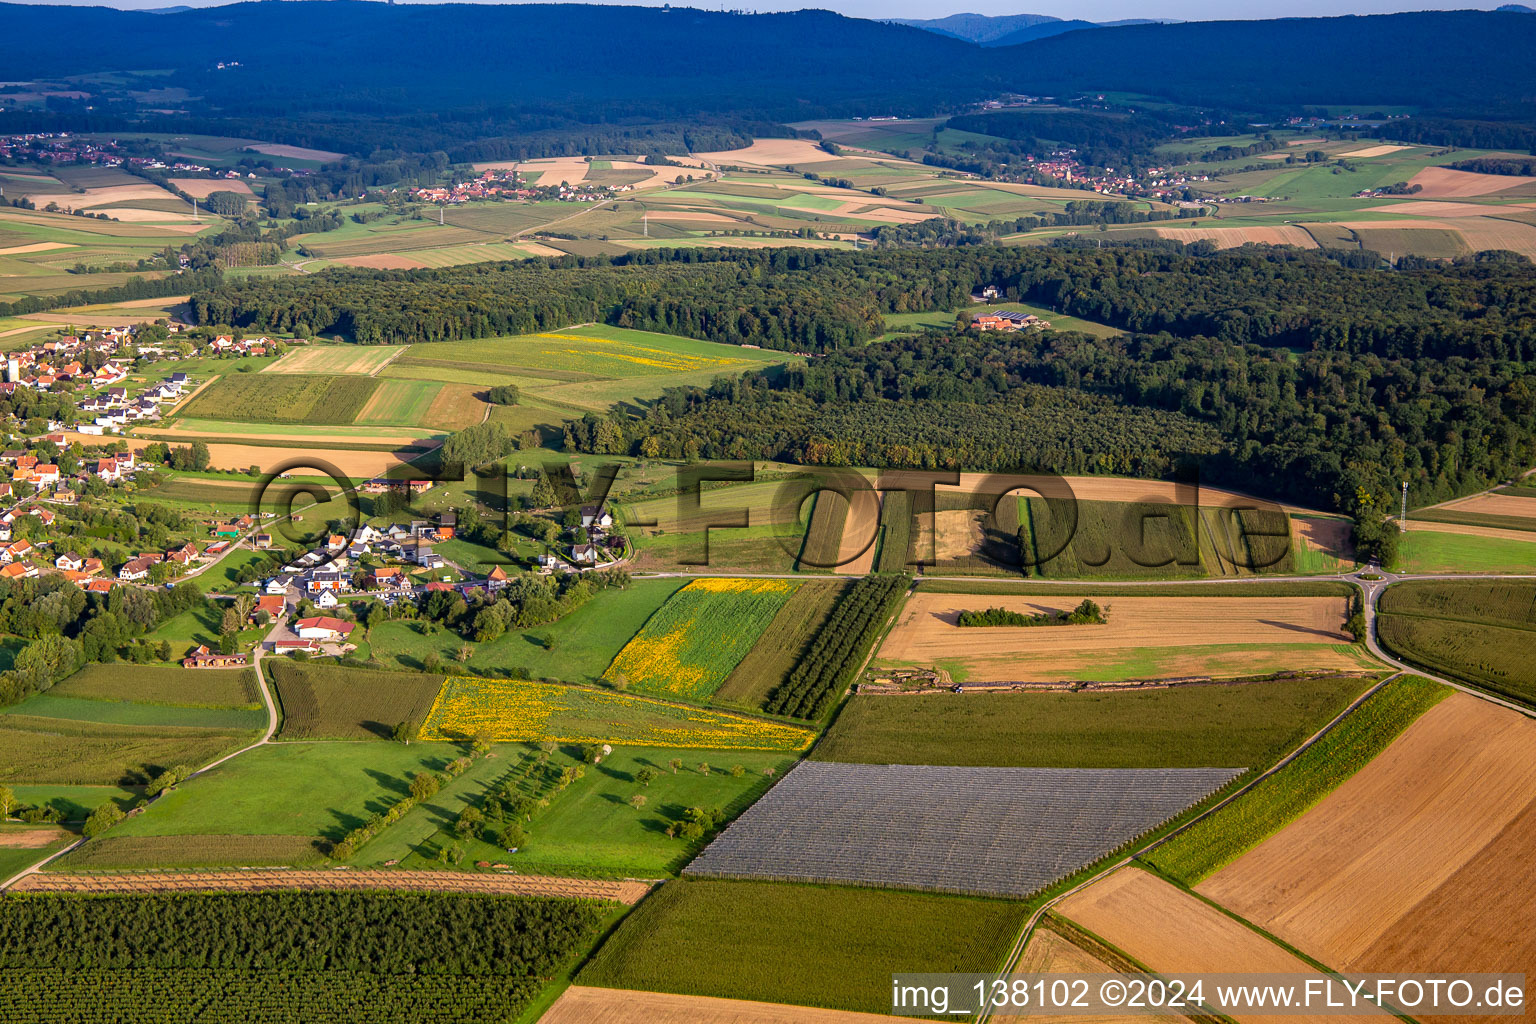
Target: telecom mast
(1402, 520)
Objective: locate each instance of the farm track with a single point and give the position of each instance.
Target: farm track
(628, 891)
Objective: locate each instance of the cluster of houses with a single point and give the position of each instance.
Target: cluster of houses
(490, 185)
(1007, 320)
(597, 550)
(323, 574)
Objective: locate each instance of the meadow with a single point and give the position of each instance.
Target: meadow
(154, 684)
(1275, 801)
(1479, 632)
(36, 748)
(335, 703)
(509, 710)
(576, 648)
(589, 826)
(1422, 550)
(728, 939)
(690, 646)
(1247, 725)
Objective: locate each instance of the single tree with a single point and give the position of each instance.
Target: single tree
(645, 776)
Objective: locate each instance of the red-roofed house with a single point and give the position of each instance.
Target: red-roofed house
(322, 627)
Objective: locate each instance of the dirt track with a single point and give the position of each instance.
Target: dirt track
(582, 1005)
(627, 892)
(1346, 881)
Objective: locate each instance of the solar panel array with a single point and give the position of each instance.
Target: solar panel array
(992, 831)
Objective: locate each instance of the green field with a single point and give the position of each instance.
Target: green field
(284, 398)
(1243, 725)
(781, 645)
(577, 648)
(1478, 632)
(35, 749)
(76, 803)
(731, 939)
(300, 792)
(402, 402)
(1219, 839)
(590, 826)
(122, 712)
(334, 703)
(691, 645)
(1423, 551)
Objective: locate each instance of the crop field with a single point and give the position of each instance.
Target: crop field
(283, 398)
(695, 641)
(508, 710)
(1449, 805)
(153, 684)
(1479, 632)
(926, 827)
(1444, 547)
(403, 402)
(1172, 931)
(782, 645)
(250, 955)
(582, 1005)
(333, 359)
(1164, 540)
(728, 939)
(327, 789)
(1237, 725)
(123, 712)
(824, 534)
(1284, 796)
(334, 703)
(36, 749)
(588, 826)
(1145, 637)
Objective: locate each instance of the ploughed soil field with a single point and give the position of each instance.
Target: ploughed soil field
(927, 634)
(1421, 858)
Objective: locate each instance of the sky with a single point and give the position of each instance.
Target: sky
(1087, 10)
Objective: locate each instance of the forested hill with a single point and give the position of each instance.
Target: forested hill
(343, 58)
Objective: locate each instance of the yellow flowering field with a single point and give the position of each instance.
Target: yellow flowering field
(507, 710)
(691, 644)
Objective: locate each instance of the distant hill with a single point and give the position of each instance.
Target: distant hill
(516, 68)
(1010, 29)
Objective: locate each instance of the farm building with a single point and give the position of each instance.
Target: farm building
(202, 657)
(322, 627)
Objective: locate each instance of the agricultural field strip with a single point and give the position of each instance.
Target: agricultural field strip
(990, 831)
(581, 1004)
(628, 891)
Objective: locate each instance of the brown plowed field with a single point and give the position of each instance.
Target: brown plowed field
(1423, 855)
(382, 261)
(1419, 526)
(926, 632)
(1116, 488)
(1331, 537)
(627, 892)
(582, 1005)
(1170, 931)
(1444, 183)
(202, 188)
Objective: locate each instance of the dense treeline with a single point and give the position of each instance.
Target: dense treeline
(1087, 613)
(1468, 133)
(370, 933)
(1497, 165)
(133, 288)
(1122, 141)
(838, 649)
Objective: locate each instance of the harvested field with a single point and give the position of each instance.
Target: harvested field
(1437, 208)
(1052, 952)
(1496, 505)
(383, 261)
(770, 153)
(455, 406)
(1370, 151)
(202, 188)
(856, 551)
(1421, 526)
(582, 1005)
(1170, 931)
(324, 156)
(354, 464)
(989, 831)
(28, 838)
(94, 197)
(1444, 183)
(1494, 233)
(346, 359)
(1323, 545)
(926, 632)
(1129, 489)
(508, 884)
(1227, 238)
(19, 250)
(1453, 791)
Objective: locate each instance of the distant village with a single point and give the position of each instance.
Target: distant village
(506, 184)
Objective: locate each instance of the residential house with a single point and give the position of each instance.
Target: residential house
(18, 571)
(496, 579)
(138, 568)
(70, 561)
(15, 552)
(326, 599)
(584, 554)
(99, 586)
(92, 566)
(273, 604)
(279, 584)
(326, 580)
(202, 657)
(595, 515)
(288, 646)
(184, 554)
